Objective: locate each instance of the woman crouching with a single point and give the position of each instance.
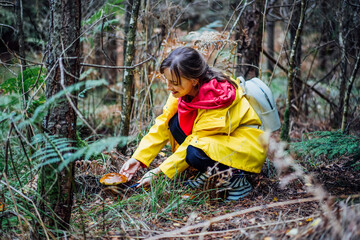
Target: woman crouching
(209, 123)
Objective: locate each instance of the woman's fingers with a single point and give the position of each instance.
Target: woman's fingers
(148, 177)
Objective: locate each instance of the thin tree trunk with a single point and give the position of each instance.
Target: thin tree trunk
(128, 81)
(343, 65)
(250, 38)
(270, 27)
(127, 24)
(291, 75)
(347, 96)
(21, 38)
(56, 187)
(22, 56)
(297, 85)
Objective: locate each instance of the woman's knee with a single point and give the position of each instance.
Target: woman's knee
(190, 155)
(196, 158)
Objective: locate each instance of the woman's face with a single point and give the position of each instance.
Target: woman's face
(185, 87)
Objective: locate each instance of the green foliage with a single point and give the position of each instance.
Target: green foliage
(14, 89)
(110, 9)
(55, 149)
(94, 149)
(30, 78)
(331, 145)
(9, 101)
(163, 200)
(40, 111)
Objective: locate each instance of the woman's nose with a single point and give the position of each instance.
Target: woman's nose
(169, 85)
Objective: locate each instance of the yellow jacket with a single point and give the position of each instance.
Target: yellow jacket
(221, 133)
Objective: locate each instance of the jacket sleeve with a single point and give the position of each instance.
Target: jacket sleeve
(176, 162)
(158, 135)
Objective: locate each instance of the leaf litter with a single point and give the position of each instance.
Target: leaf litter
(288, 202)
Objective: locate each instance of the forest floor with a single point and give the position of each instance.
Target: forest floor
(319, 203)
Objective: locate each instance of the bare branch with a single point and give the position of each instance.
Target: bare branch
(117, 67)
(232, 29)
(6, 4)
(8, 26)
(297, 78)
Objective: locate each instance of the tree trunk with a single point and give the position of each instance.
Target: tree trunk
(128, 89)
(343, 65)
(106, 54)
(270, 27)
(250, 38)
(270, 30)
(297, 87)
(291, 75)
(21, 38)
(347, 96)
(128, 8)
(56, 187)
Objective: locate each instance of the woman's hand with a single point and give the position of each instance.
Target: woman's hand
(129, 168)
(148, 177)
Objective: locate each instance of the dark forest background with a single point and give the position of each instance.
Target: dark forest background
(80, 86)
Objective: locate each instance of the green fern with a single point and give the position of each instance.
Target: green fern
(56, 149)
(331, 145)
(94, 149)
(31, 77)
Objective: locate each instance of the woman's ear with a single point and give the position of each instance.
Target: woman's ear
(195, 82)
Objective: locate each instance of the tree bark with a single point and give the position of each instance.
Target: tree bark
(128, 89)
(347, 96)
(250, 38)
(291, 75)
(128, 8)
(56, 187)
(270, 30)
(297, 87)
(270, 27)
(343, 65)
(21, 37)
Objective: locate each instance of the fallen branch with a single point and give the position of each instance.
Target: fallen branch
(245, 211)
(246, 228)
(230, 215)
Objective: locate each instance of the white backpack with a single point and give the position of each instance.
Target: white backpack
(261, 99)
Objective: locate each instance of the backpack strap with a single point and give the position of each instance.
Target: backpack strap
(242, 84)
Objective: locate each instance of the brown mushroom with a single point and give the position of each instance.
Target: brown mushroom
(113, 179)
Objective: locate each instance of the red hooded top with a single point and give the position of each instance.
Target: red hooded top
(211, 95)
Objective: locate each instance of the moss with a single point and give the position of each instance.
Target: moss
(285, 126)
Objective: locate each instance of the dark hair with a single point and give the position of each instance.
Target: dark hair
(189, 63)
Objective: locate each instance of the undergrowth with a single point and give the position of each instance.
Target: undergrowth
(130, 209)
(328, 145)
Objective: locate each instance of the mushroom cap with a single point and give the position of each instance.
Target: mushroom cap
(113, 179)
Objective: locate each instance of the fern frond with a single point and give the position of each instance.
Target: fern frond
(327, 144)
(53, 149)
(94, 149)
(41, 110)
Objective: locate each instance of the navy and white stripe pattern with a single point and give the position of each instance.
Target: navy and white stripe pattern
(199, 181)
(238, 187)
